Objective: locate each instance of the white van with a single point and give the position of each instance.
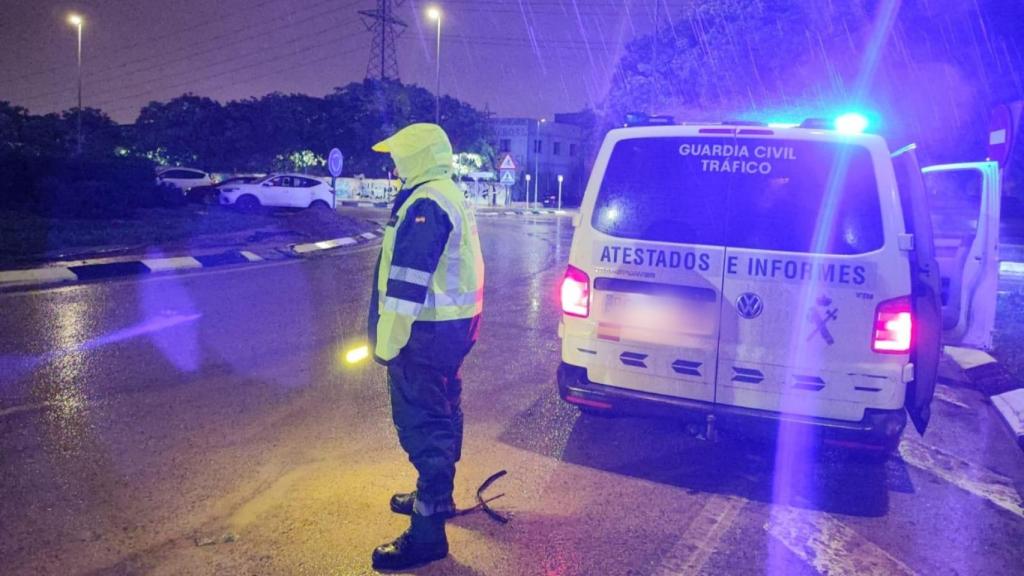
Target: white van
(749, 275)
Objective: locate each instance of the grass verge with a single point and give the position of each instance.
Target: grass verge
(29, 238)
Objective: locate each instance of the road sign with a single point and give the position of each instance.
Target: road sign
(507, 163)
(508, 177)
(335, 162)
(1002, 132)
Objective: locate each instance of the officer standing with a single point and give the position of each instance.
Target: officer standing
(424, 318)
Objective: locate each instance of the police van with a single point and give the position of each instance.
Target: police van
(748, 276)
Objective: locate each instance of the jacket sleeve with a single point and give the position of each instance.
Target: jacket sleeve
(419, 243)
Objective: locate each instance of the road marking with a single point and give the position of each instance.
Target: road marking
(702, 536)
(981, 482)
(946, 394)
(831, 547)
(24, 408)
(251, 256)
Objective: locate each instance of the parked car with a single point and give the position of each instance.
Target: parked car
(279, 191)
(211, 194)
(184, 179)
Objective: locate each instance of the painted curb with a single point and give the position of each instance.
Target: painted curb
(100, 270)
(364, 203)
(988, 376)
(539, 212)
(1011, 406)
(313, 247)
(479, 212)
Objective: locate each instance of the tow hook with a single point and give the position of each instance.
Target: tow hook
(711, 433)
(708, 432)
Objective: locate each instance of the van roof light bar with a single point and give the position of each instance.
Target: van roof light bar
(642, 119)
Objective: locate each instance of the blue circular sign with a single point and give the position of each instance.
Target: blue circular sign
(335, 162)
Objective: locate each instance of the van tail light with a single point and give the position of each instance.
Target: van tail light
(576, 293)
(894, 326)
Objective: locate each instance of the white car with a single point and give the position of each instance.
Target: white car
(279, 191)
(184, 179)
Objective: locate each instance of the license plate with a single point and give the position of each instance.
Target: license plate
(659, 314)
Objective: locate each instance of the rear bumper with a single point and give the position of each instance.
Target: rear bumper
(880, 428)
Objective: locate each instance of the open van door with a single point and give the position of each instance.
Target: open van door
(965, 201)
(925, 278)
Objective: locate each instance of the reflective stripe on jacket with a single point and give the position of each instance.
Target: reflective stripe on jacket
(430, 268)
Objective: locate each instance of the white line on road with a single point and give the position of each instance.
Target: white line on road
(981, 482)
(702, 536)
(831, 547)
(24, 408)
(946, 394)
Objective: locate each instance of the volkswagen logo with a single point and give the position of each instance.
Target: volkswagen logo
(749, 305)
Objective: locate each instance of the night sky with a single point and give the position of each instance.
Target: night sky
(517, 57)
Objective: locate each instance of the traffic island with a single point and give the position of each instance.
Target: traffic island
(45, 251)
(1000, 375)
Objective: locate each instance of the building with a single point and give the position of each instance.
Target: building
(544, 150)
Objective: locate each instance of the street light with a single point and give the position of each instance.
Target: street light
(434, 13)
(536, 165)
(527, 191)
(77, 21)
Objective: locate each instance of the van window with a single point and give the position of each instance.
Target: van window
(784, 195)
(955, 201)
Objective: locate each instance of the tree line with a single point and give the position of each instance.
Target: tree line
(273, 132)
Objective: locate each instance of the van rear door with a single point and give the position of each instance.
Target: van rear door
(965, 204)
(924, 269)
(656, 259)
(807, 270)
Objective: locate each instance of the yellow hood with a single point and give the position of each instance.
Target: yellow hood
(421, 152)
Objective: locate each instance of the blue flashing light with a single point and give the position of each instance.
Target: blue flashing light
(851, 123)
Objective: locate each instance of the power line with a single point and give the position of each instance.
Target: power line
(161, 70)
(289, 67)
(316, 42)
(148, 40)
(214, 43)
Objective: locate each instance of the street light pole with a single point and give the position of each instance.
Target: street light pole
(536, 165)
(435, 14)
(77, 21)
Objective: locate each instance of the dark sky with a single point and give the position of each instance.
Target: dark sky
(519, 57)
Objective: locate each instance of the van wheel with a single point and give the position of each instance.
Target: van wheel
(248, 203)
(319, 205)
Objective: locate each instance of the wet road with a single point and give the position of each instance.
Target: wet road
(204, 423)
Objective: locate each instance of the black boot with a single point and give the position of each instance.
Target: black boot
(424, 542)
(402, 503)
